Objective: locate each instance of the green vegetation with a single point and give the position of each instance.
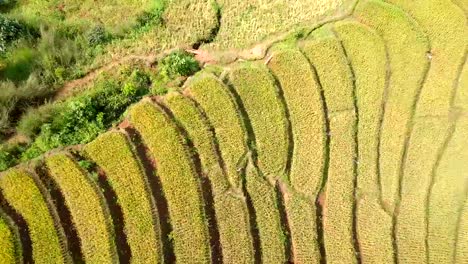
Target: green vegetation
(112, 152)
(8, 243)
(89, 214)
(407, 52)
(343, 141)
(255, 88)
(302, 96)
(221, 111)
(47, 237)
(179, 181)
(365, 51)
(231, 210)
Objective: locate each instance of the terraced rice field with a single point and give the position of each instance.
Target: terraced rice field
(347, 145)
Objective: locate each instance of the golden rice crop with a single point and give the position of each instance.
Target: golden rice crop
(407, 52)
(327, 56)
(264, 201)
(219, 106)
(302, 97)
(445, 26)
(46, 237)
(113, 153)
(8, 242)
(89, 214)
(306, 113)
(231, 210)
(366, 54)
(255, 87)
(179, 181)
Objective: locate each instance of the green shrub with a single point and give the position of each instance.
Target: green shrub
(10, 30)
(98, 36)
(178, 63)
(153, 16)
(31, 122)
(136, 84)
(20, 64)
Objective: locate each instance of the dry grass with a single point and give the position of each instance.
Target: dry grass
(113, 153)
(179, 181)
(255, 87)
(246, 22)
(366, 54)
(89, 215)
(231, 210)
(8, 242)
(407, 53)
(219, 106)
(46, 238)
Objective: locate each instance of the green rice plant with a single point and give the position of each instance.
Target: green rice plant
(8, 243)
(256, 89)
(179, 181)
(445, 26)
(221, 111)
(407, 52)
(306, 113)
(113, 153)
(327, 56)
(231, 210)
(47, 238)
(264, 201)
(461, 250)
(366, 54)
(89, 214)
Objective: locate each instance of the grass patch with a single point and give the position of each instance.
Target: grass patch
(46, 237)
(112, 152)
(366, 53)
(179, 181)
(407, 52)
(221, 111)
(256, 89)
(89, 214)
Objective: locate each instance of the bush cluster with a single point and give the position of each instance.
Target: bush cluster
(10, 30)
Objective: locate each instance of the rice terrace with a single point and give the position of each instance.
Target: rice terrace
(234, 131)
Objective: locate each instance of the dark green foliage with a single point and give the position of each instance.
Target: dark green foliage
(10, 30)
(178, 63)
(83, 118)
(31, 122)
(98, 36)
(153, 16)
(19, 65)
(9, 154)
